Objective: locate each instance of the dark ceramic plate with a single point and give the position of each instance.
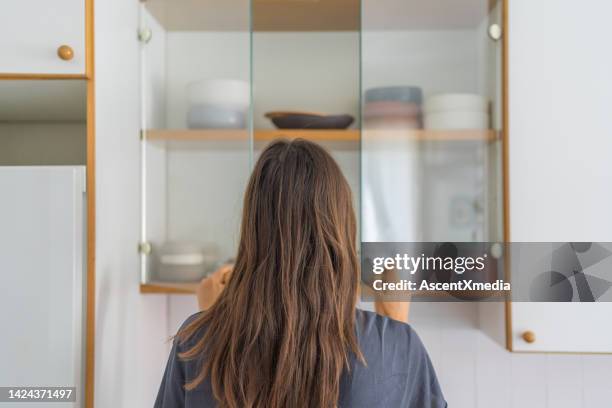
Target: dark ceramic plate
(305, 120)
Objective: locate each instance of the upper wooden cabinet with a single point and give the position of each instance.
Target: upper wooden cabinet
(43, 37)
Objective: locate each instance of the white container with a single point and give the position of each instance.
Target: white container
(181, 262)
(455, 102)
(222, 93)
(456, 120)
(212, 117)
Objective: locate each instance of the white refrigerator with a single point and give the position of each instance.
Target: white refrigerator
(42, 278)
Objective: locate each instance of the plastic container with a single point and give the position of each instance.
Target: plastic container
(392, 123)
(464, 102)
(391, 109)
(456, 120)
(181, 262)
(394, 93)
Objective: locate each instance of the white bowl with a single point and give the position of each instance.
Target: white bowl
(180, 262)
(212, 117)
(456, 102)
(222, 93)
(456, 120)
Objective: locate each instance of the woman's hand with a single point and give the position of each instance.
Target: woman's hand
(211, 287)
(394, 310)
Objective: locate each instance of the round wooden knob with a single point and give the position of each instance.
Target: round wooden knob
(529, 336)
(65, 52)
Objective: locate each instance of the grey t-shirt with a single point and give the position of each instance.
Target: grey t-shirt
(398, 372)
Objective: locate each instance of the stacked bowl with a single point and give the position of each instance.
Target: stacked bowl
(393, 107)
(218, 104)
(456, 111)
(185, 261)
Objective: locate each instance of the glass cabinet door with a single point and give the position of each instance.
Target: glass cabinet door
(196, 136)
(432, 110)
(406, 95)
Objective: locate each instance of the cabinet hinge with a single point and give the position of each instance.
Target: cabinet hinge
(144, 35)
(144, 248)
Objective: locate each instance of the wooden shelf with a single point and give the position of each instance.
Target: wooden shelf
(350, 135)
(170, 288)
(327, 135)
(173, 288)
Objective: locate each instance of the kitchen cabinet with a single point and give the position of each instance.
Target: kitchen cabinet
(384, 63)
(43, 37)
(559, 158)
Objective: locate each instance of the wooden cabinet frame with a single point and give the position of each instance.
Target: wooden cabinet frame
(88, 397)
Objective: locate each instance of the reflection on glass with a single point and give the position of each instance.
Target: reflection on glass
(431, 104)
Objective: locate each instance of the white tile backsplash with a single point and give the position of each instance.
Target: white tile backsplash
(597, 377)
(565, 380)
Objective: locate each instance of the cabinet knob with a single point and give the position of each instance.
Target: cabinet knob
(495, 32)
(65, 52)
(529, 336)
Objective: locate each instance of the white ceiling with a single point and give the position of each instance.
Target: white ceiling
(43, 100)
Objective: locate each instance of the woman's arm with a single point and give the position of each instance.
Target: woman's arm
(394, 310)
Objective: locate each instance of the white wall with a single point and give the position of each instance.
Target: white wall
(131, 334)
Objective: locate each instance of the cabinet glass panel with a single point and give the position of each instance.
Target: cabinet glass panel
(306, 77)
(406, 95)
(432, 120)
(196, 139)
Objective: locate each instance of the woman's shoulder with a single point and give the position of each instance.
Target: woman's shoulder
(191, 319)
(371, 322)
(377, 333)
(187, 341)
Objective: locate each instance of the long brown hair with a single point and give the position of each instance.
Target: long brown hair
(282, 332)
